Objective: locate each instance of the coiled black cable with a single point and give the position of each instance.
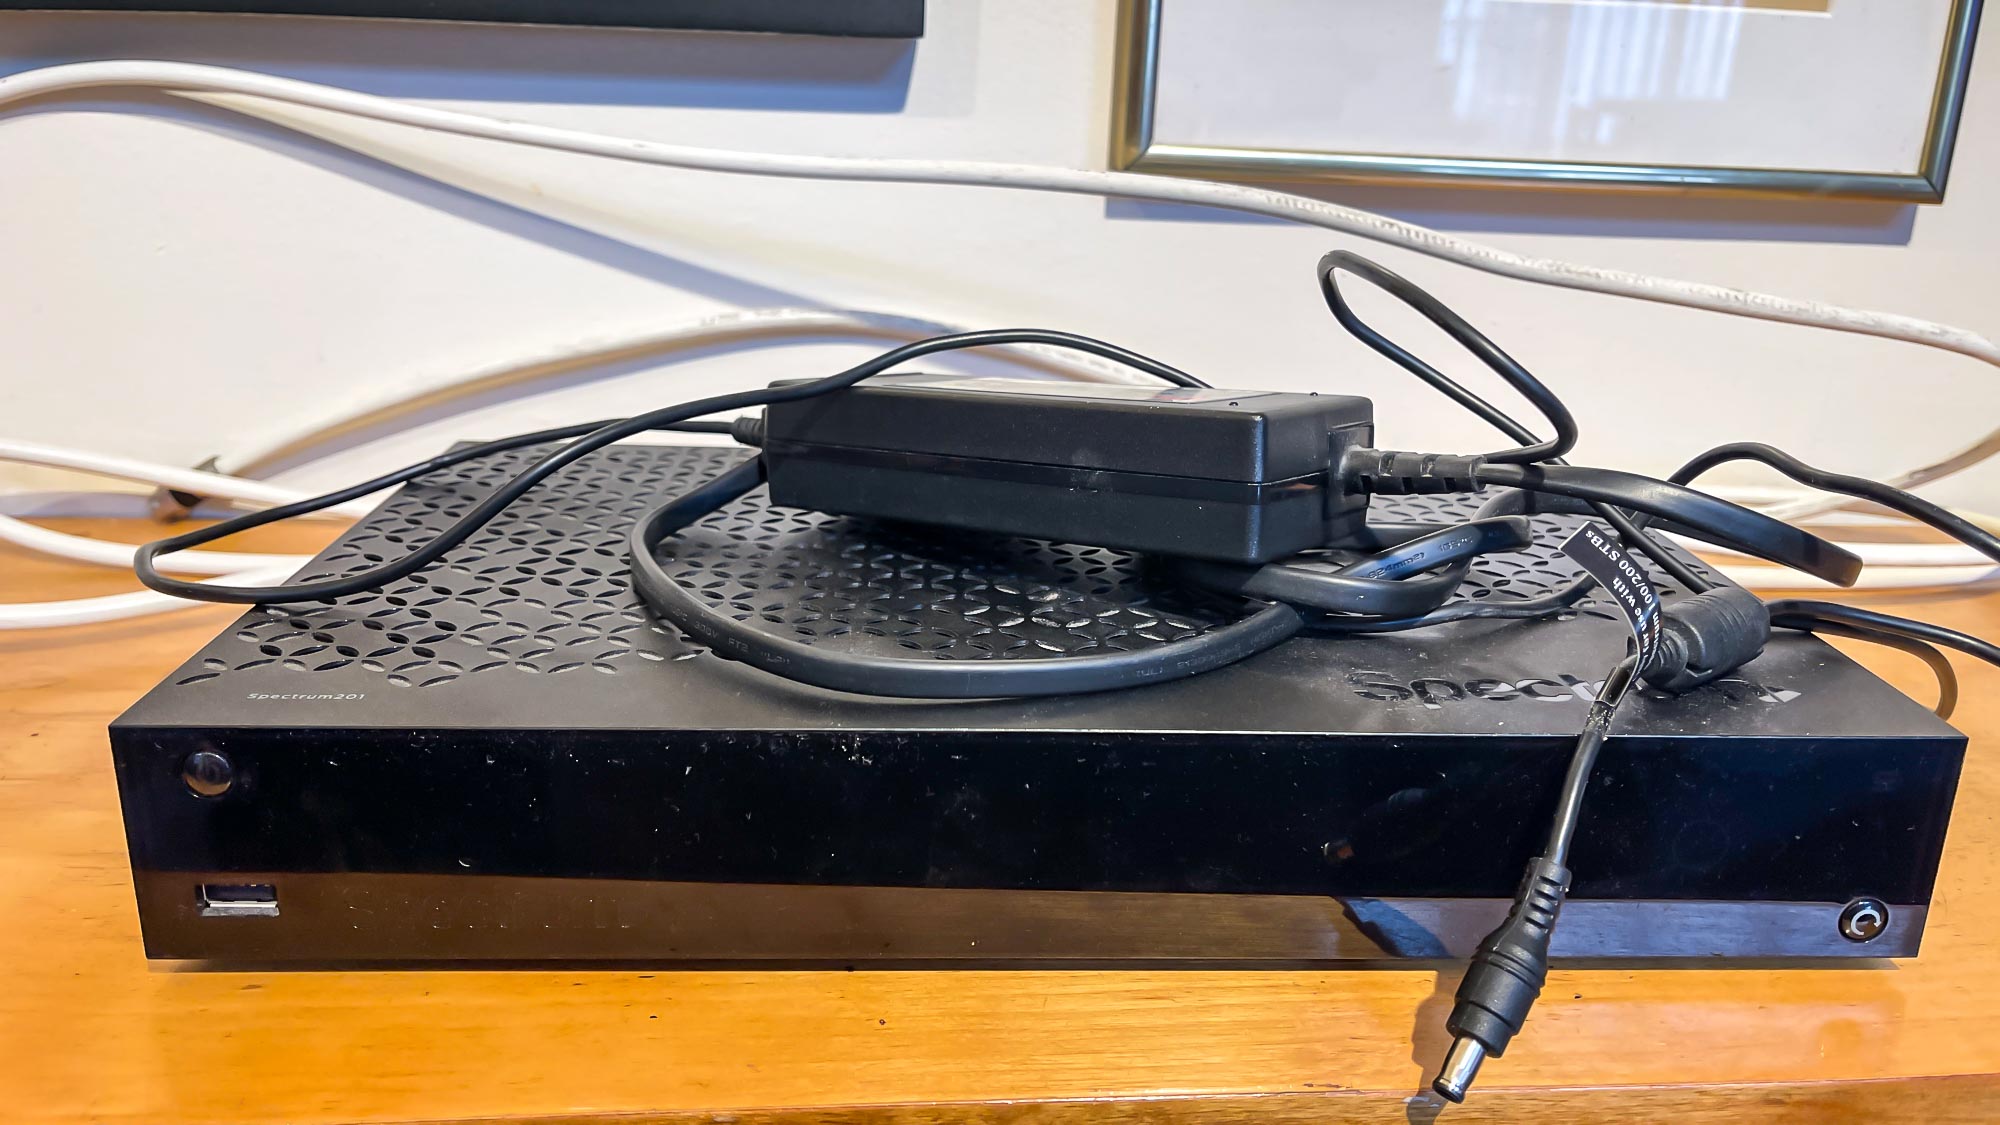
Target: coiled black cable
(1520, 378)
(1411, 578)
(1473, 340)
(919, 679)
(1505, 503)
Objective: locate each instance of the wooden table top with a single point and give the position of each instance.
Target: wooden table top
(90, 1031)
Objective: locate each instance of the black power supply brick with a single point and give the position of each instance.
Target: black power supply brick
(1194, 472)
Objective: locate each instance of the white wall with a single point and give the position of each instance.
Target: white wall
(172, 278)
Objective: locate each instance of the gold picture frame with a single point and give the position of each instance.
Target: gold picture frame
(1135, 78)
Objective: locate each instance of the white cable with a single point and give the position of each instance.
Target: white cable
(267, 569)
(100, 552)
(103, 553)
(364, 410)
(750, 325)
(1943, 564)
(1795, 505)
(216, 485)
(1882, 554)
(115, 607)
(705, 332)
(1877, 579)
(196, 80)
(100, 503)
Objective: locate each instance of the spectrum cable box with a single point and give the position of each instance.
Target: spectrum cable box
(505, 757)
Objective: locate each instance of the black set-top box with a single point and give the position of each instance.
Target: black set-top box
(505, 756)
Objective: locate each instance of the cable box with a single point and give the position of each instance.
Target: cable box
(504, 757)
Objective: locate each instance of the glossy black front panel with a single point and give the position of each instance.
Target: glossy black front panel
(1818, 820)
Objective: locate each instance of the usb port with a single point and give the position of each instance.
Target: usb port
(237, 900)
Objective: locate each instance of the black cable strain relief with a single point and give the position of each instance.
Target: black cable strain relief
(1708, 636)
(170, 504)
(167, 505)
(1390, 472)
(747, 429)
(1512, 963)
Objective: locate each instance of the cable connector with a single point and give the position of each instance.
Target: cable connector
(1389, 472)
(748, 429)
(1708, 636)
(1504, 979)
(168, 505)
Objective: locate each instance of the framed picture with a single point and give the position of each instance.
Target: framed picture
(1833, 98)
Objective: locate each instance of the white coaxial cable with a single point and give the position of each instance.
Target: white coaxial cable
(222, 86)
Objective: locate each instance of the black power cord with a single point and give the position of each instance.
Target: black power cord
(1704, 516)
(1914, 637)
(1534, 465)
(1937, 662)
(1413, 577)
(1516, 376)
(1895, 499)
(1707, 634)
(1512, 963)
(1532, 450)
(1800, 613)
(923, 679)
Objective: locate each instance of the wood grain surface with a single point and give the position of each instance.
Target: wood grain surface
(89, 1031)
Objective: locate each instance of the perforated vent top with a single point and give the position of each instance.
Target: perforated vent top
(543, 589)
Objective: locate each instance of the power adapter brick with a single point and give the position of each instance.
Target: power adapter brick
(1193, 472)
